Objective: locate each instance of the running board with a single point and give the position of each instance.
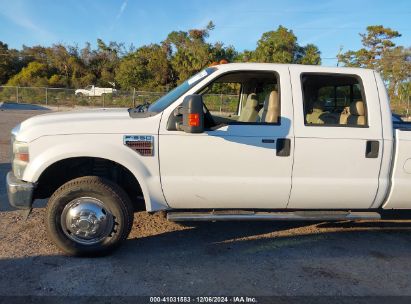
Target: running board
(240, 215)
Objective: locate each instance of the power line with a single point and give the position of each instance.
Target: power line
(339, 12)
(17, 55)
(313, 28)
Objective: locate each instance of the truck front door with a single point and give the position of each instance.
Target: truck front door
(245, 159)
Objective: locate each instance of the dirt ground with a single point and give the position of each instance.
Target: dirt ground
(240, 258)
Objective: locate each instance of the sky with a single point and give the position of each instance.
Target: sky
(328, 24)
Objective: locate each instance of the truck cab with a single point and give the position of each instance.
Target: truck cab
(303, 130)
(233, 142)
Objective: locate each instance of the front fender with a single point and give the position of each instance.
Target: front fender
(48, 150)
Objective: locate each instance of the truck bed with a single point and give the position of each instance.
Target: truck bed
(400, 124)
(400, 191)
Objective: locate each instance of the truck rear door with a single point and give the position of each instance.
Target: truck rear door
(338, 138)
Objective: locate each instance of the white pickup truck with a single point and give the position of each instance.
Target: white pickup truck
(93, 91)
(298, 143)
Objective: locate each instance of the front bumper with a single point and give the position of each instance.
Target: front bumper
(20, 193)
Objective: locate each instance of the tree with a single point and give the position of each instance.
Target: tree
(35, 74)
(9, 62)
(310, 54)
(64, 63)
(107, 58)
(277, 46)
(220, 52)
(244, 56)
(376, 42)
(154, 66)
(281, 46)
(188, 52)
(145, 69)
(4, 62)
(380, 53)
(395, 65)
(100, 64)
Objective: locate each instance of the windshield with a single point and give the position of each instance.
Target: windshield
(88, 87)
(173, 95)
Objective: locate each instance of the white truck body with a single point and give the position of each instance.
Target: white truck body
(93, 91)
(235, 166)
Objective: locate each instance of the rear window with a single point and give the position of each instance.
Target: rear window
(333, 100)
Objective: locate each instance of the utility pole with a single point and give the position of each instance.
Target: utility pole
(338, 55)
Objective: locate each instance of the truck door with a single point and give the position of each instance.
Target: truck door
(244, 159)
(338, 139)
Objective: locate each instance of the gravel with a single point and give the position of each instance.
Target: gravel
(239, 258)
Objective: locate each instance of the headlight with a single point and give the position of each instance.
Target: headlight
(20, 154)
(14, 132)
(20, 158)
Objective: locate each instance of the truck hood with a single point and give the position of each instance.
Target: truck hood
(96, 121)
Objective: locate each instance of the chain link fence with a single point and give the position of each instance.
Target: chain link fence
(223, 104)
(61, 97)
(67, 97)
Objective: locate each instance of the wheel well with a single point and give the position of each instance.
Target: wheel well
(65, 170)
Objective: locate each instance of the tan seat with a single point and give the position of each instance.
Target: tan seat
(344, 116)
(314, 116)
(357, 113)
(270, 113)
(249, 112)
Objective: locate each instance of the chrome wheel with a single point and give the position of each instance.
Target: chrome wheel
(87, 221)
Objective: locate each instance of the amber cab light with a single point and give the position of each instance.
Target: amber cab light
(194, 120)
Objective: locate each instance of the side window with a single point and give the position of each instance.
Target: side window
(222, 98)
(342, 96)
(333, 100)
(244, 98)
(326, 96)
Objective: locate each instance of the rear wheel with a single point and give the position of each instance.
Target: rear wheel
(89, 216)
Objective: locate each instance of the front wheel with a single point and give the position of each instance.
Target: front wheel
(89, 216)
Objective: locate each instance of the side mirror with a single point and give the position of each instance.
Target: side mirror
(192, 110)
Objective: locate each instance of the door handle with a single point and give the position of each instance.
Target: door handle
(372, 149)
(283, 147)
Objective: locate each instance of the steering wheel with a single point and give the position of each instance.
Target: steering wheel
(328, 118)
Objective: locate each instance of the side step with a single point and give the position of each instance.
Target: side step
(239, 215)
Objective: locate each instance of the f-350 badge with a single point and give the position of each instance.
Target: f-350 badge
(142, 144)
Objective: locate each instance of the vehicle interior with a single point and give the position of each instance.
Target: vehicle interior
(242, 98)
(333, 100)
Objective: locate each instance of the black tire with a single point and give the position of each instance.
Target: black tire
(114, 199)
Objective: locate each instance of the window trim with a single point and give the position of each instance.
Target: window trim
(363, 96)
